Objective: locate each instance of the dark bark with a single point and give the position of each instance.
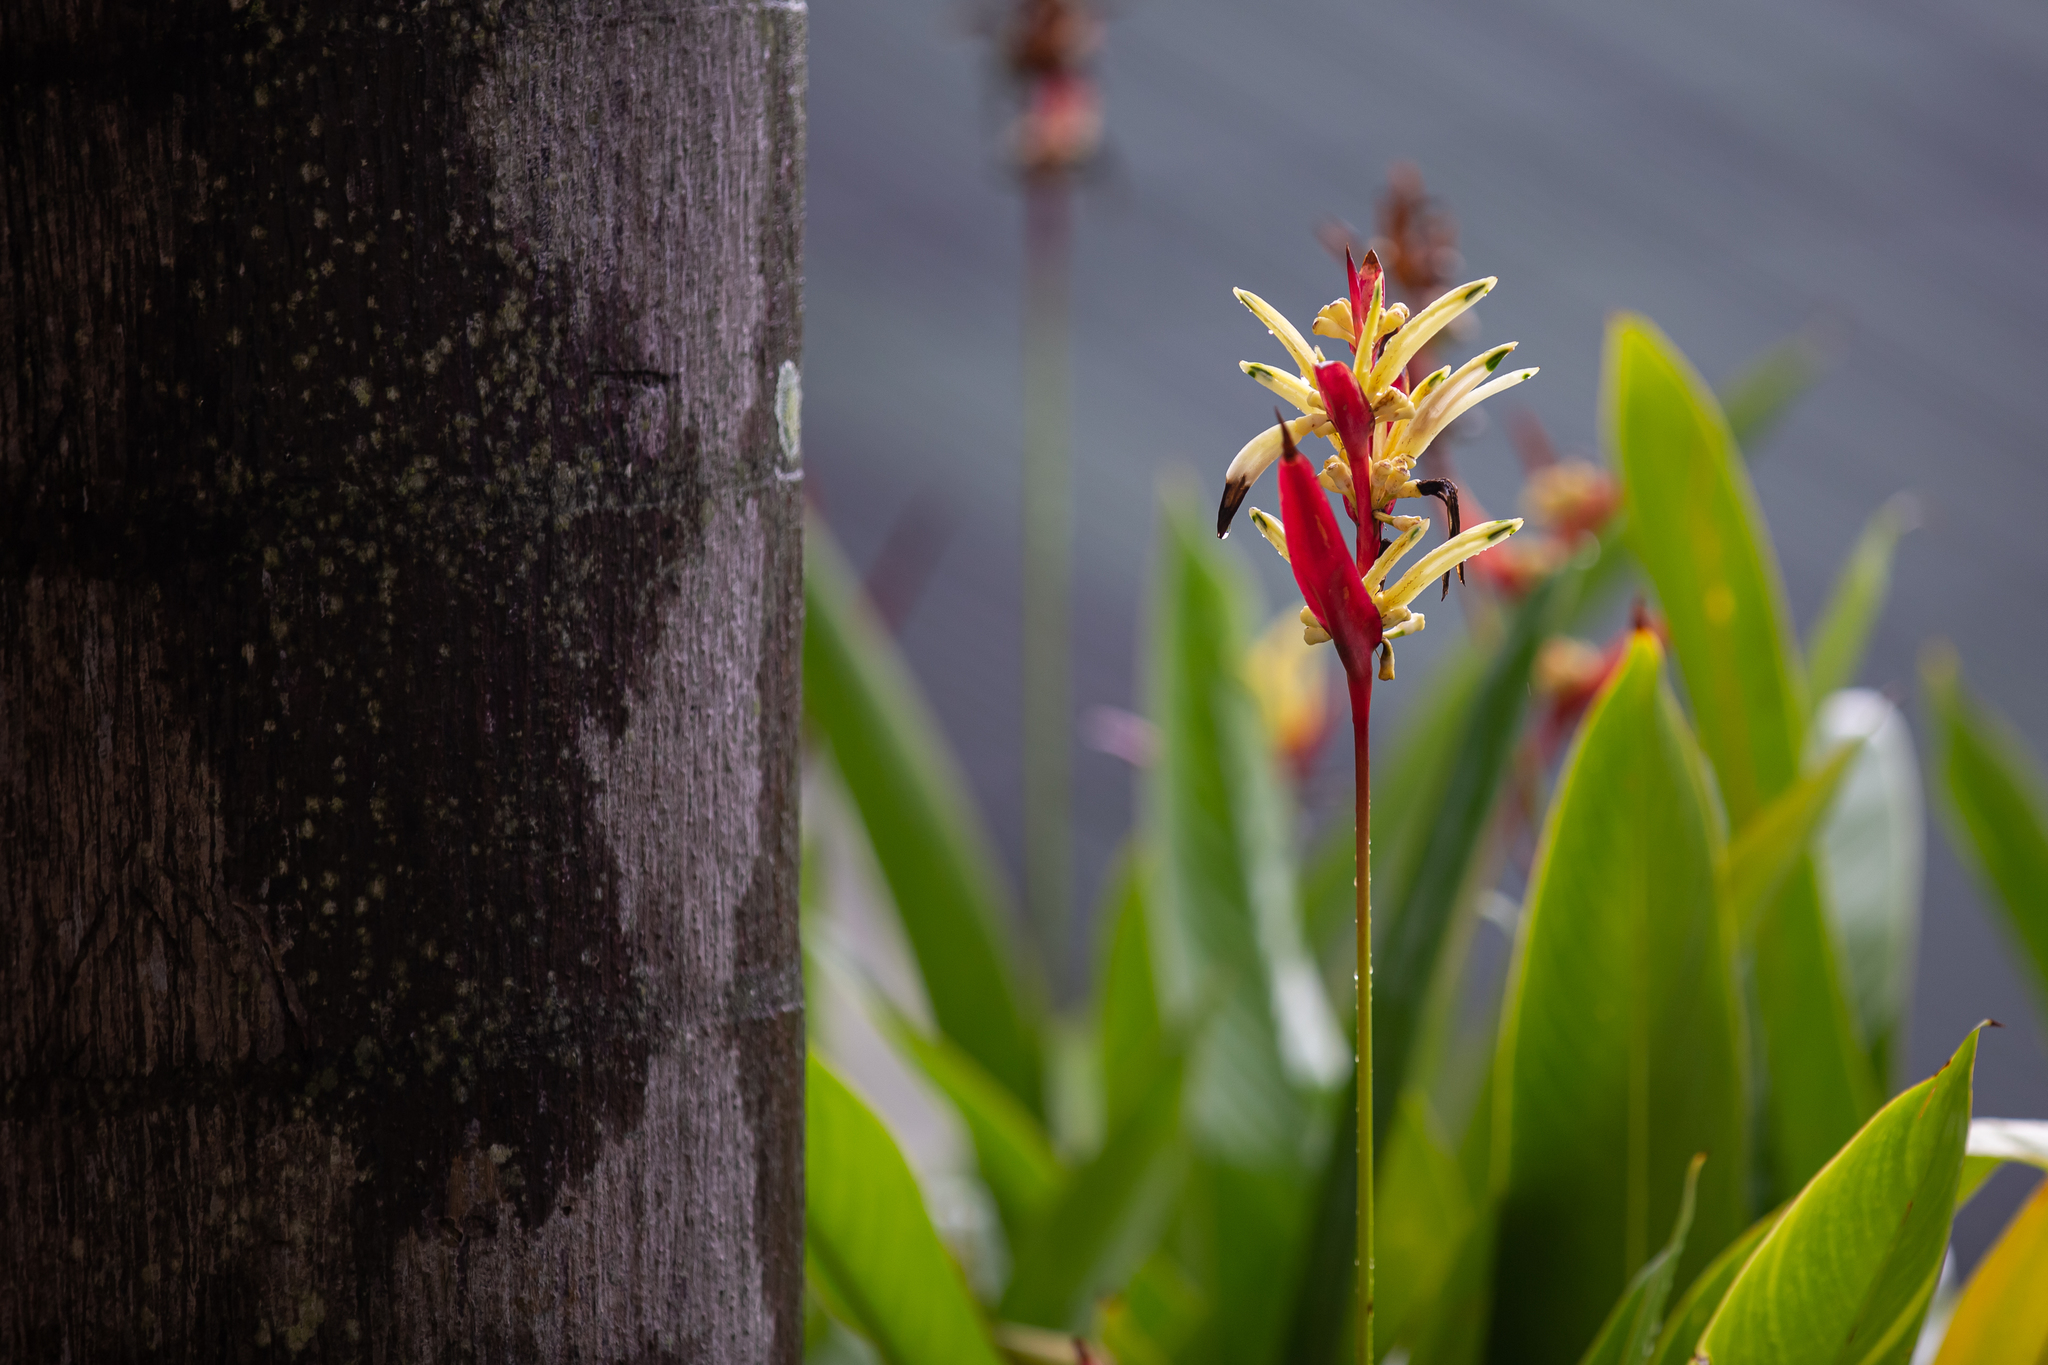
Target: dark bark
(399, 582)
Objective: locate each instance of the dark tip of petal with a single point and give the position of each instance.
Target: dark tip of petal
(1234, 491)
(1445, 492)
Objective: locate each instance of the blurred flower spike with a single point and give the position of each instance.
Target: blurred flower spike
(1573, 498)
(1047, 49)
(1379, 425)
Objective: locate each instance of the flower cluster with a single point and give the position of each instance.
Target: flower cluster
(1379, 425)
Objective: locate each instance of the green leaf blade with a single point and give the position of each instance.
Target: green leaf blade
(937, 860)
(1695, 525)
(1846, 1274)
(1998, 814)
(1621, 1048)
(1834, 650)
(1631, 1329)
(912, 1304)
(1105, 1220)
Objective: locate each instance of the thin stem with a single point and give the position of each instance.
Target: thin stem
(1048, 536)
(1360, 681)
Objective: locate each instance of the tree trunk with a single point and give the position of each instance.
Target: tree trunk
(399, 593)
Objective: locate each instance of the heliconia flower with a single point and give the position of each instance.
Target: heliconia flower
(1361, 612)
(1377, 422)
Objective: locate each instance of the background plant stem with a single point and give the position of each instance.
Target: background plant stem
(1360, 683)
(1048, 546)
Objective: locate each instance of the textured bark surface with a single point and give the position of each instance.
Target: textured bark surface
(399, 592)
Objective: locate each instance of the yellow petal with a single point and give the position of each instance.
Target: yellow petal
(1258, 454)
(1295, 391)
(1446, 557)
(1270, 528)
(1411, 529)
(1297, 345)
(1402, 346)
(1446, 400)
(1335, 322)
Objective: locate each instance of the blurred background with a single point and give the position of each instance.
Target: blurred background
(1873, 177)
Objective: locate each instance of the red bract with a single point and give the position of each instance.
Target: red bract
(1349, 412)
(1362, 282)
(1322, 562)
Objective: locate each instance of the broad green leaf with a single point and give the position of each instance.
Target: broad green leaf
(2002, 1317)
(1151, 1320)
(1012, 1151)
(1241, 1229)
(1326, 1294)
(1423, 1216)
(1695, 526)
(1129, 1037)
(866, 1235)
(1869, 857)
(1696, 1307)
(1106, 1219)
(1998, 812)
(1758, 396)
(1630, 1331)
(933, 853)
(1772, 843)
(1621, 1052)
(1834, 649)
(1846, 1274)
(1220, 901)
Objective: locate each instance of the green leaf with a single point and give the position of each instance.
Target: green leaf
(1834, 650)
(1771, 845)
(1153, 1318)
(1847, 1273)
(2002, 1317)
(1696, 1308)
(1695, 526)
(1130, 1039)
(1106, 1219)
(1424, 1214)
(1244, 1226)
(1220, 901)
(1621, 1052)
(1760, 394)
(859, 1199)
(1012, 1151)
(935, 856)
(1998, 816)
(1869, 857)
(1631, 1329)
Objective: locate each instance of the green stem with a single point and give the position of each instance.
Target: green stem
(1361, 730)
(1048, 537)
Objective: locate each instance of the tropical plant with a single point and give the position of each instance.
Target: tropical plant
(1661, 1131)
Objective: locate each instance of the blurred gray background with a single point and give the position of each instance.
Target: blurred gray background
(1735, 171)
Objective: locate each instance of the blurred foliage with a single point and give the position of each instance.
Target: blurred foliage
(1661, 1131)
